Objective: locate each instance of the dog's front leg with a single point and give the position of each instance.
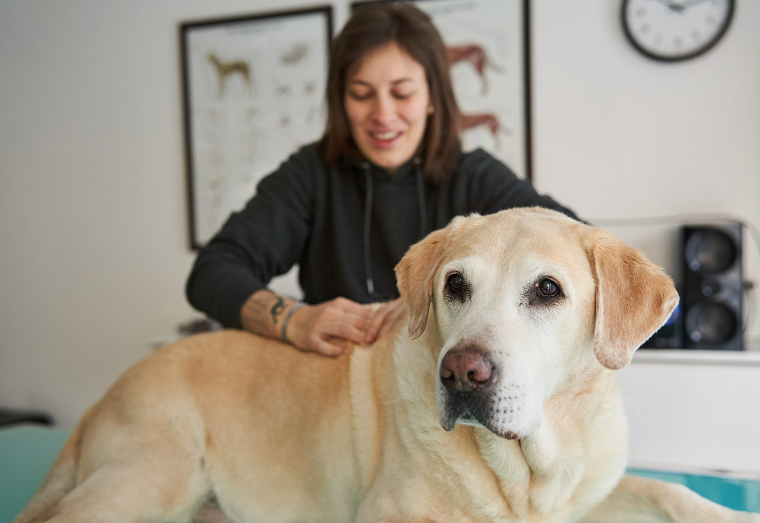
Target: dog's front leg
(557, 467)
(643, 500)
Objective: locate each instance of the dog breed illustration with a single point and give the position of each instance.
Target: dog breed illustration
(227, 69)
(490, 120)
(475, 55)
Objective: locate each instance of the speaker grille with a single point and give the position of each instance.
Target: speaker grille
(710, 252)
(712, 290)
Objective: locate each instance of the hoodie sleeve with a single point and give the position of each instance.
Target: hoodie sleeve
(493, 187)
(263, 240)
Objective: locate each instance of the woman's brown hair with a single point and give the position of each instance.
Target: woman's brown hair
(375, 25)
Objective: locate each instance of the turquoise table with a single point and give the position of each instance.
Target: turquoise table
(27, 452)
(738, 494)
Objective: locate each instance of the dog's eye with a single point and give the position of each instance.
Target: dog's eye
(547, 288)
(455, 283)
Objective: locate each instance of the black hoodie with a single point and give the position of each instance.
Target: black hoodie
(315, 215)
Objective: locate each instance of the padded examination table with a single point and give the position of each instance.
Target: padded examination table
(28, 451)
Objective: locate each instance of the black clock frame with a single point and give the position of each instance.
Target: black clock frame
(664, 58)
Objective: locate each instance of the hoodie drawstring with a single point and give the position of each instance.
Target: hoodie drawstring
(421, 196)
(367, 228)
(368, 201)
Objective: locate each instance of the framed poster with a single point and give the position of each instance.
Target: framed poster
(488, 47)
(253, 94)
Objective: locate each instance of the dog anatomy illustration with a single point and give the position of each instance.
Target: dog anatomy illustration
(476, 55)
(226, 69)
(295, 55)
(490, 120)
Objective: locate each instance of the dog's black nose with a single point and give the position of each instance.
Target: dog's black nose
(466, 370)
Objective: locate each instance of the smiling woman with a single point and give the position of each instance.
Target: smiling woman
(387, 103)
(382, 48)
(388, 170)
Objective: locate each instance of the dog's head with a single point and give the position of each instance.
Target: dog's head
(526, 301)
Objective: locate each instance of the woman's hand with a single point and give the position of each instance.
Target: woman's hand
(385, 317)
(319, 328)
(316, 327)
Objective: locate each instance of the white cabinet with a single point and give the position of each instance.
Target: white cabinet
(694, 409)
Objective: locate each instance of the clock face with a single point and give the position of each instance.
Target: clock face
(675, 29)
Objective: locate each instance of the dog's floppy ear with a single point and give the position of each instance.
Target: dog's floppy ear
(414, 274)
(634, 298)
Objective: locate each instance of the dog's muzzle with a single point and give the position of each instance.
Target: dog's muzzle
(469, 376)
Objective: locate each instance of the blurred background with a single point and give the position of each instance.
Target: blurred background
(94, 227)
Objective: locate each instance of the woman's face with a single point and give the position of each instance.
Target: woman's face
(387, 101)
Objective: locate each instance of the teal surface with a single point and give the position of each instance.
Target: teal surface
(738, 494)
(26, 454)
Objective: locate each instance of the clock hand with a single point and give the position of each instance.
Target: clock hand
(690, 3)
(678, 8)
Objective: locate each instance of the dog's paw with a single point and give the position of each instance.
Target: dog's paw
(745, 517)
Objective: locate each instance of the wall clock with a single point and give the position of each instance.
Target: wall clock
(671, 30)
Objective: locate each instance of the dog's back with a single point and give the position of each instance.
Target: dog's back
(227, 414)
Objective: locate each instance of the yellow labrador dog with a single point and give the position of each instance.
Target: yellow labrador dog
(496, 401)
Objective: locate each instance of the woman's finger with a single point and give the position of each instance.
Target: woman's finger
(350, 306)
(345, 330)
(358, 315)
(396, 314)
(385, 318)
(328, 349)
(375, 323)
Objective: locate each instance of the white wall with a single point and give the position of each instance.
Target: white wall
(618, 135)
(93, 212)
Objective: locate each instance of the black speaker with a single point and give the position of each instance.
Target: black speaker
(712, 287)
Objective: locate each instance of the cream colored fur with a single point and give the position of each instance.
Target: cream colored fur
(253, 429)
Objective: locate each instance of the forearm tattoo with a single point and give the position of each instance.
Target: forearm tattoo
(277, 309)
(263, 312)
